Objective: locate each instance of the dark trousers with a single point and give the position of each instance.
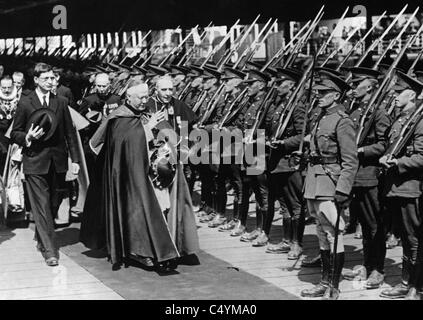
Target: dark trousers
(409, 216)
(259, 185)
(208, 185)
(233, 173)
(366, 205)
(286, 187)
(45, 201)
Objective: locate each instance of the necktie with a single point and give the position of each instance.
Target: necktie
(45, 105)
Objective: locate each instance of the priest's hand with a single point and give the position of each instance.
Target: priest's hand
(156, 118)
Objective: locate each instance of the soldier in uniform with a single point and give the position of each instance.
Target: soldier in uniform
(402, 188)
(229, 171)
(365, 201)
(330, 176)
(258, 183)
(286, 182)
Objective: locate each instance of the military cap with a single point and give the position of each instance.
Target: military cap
(255, 65)
(383, 68)
(231, 73)
(289, 74)
(419, 75)
(332, 71)
(142, 70)
(211, 65)
(115, 67)
(360, 73)
(331, 82)
(195, 71)
(272, 72)
(404, 81)
(160, 71)
(255, 75)
(97, 69)
(175, 70)
(211, 73)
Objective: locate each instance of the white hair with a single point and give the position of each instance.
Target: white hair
(163, 79)
(102, 76)
(137, 88)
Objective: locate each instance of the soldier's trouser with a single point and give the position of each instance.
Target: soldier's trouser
(208, 185)
(259, 185)
(233, 173)
(409, 216)
(287, 187)
(365, 203)
(326, 214)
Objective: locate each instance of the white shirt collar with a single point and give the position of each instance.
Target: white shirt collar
(41, 96)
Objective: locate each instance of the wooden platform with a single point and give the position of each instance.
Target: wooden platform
(288, 274)
(24, 274)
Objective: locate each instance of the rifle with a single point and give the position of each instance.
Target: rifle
(200, 100)
(406, 132)
(221, 43)
(226, 117)
(296, 49)
(336, 51)
(413, 65)
(378, 40)
(360, 42)
(279, 54)
(236, 45)
(177, 47)
(396, 39)
(261, 113)
(363, 130)
(255, 45)
(211, 105)
(188, 53)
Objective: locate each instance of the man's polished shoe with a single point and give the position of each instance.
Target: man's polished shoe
(397, 292)
(316, 292)
(281, 247)
(314, 262)
(52, 262)
(208, 218)
(250, 236)
(238, 231)
(331, 294)
(146, 261)
(358, 273)
(261, 240)
(228, 226)
(375, 280)
(413, 294)
(295, 252)
(218, 220)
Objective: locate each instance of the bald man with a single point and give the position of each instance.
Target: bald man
(93, 107)
(122, 212)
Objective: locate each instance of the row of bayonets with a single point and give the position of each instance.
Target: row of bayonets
(288, 54)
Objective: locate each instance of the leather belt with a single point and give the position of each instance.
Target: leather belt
(315, 159)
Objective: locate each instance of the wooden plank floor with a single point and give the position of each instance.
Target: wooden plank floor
(24, 274)
(288, 274)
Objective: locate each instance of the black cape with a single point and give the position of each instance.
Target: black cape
(122, 211)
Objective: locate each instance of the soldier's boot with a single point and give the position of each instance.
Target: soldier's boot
(332, 292)
(320, 289)
(415, 285)
(296, 248)
(313, 262)
(400, 290)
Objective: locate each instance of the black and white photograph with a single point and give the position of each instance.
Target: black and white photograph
(218, 152)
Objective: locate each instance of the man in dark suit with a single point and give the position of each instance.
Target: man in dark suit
(45, 161)
(62, 90)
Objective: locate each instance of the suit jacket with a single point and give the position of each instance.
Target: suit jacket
(40, 154)
(335, 136)
(405, 180)
(63, 91)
